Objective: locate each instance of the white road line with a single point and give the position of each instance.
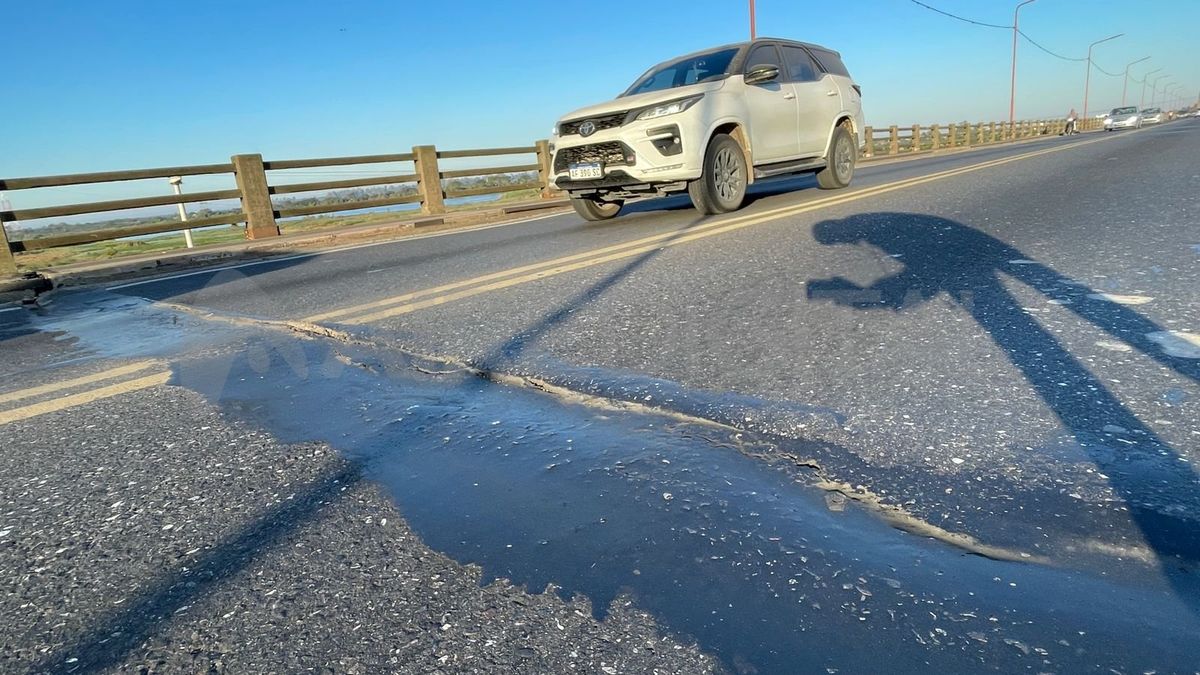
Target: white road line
(340, 249)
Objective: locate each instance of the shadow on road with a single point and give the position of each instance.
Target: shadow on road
(508, 352)
(943, 257)
(114, 636)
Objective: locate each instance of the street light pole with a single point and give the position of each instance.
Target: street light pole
(1145, 79)
(176, 183)
(1087, 83)
(1012, 90)
(1126, 85)
(1154, 92)
(1173, 85)
(752, 30)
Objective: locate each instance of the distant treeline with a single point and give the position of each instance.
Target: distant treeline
(329, 198)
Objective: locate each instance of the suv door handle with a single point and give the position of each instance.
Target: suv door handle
(831, 93)
(789, 95)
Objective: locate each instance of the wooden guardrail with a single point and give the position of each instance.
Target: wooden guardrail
(259, 213)
(255, 189)
(895, 141)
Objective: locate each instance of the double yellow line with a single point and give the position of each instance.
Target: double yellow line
(407, 303)
(161, 376)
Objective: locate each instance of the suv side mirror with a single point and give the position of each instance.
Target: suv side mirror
(761, 73)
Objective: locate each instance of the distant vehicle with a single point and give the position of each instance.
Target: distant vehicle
(1122, 118)
(710, 123)
(1152, 116)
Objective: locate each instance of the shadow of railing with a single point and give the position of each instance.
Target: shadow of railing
(117, 634)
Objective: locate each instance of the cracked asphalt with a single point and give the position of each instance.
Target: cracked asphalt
(1009, 354)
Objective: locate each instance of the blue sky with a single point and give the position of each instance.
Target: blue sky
(99, 86)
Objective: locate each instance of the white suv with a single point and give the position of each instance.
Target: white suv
(711, 123)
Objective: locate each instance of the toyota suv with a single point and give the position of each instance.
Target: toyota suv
(711, 123)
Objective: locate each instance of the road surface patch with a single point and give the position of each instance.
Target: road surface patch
(1177, 343)
(1122, 299)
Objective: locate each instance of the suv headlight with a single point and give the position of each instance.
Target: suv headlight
(669, 108)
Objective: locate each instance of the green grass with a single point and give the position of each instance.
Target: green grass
(106, 250)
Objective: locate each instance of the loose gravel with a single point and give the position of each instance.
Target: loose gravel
(147, 533)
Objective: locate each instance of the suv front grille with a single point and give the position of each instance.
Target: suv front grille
(612, 153)
(602, 122)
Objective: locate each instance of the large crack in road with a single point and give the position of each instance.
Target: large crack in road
(758, 552)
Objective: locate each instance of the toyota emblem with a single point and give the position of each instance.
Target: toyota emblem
(587, 128)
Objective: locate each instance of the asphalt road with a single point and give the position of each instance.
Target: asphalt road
(996, 351)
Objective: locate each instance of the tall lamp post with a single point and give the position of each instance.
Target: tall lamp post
(1087, 82)
(1166, 98)
(1154, 92)
(1145, 79)
(752, 31)
(1125, 87)
(1012, 90)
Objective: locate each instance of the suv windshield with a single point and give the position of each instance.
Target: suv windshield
(1124, 111)
(685, 71)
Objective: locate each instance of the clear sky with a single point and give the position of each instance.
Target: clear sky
(104, 86)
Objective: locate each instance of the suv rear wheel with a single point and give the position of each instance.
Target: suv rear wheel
(839, 167)
(722, 185)
(591, 209)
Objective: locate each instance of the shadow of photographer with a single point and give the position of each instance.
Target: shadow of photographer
(944, 258)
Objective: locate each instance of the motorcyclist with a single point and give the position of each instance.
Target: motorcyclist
(1072, 126)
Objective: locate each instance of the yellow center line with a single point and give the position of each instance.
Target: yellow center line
(408, 302)
(77, 382)
(17, 414)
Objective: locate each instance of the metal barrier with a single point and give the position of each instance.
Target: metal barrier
(255, 189)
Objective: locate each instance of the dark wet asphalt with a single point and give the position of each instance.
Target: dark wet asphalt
(709, 529)
(939, 346)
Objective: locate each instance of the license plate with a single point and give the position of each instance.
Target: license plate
(586, 171)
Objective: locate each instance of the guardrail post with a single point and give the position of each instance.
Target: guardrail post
(8, 266)
(935, 136)
(545, 169)
(256, 197)
(869, 138)
(429, 179)
(916, 138)
(894, 140)
(953, 135)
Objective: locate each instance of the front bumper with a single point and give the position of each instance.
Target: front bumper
(1123, 124)
(640, 154)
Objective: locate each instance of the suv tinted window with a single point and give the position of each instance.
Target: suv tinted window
(764, 55)
(800, 65)
(691, 70)
(832, 63)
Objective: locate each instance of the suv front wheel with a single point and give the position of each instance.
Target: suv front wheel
(591, 209)
(839, 167)
(722, 185)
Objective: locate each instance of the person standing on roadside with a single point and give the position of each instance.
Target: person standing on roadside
(1072, 118)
